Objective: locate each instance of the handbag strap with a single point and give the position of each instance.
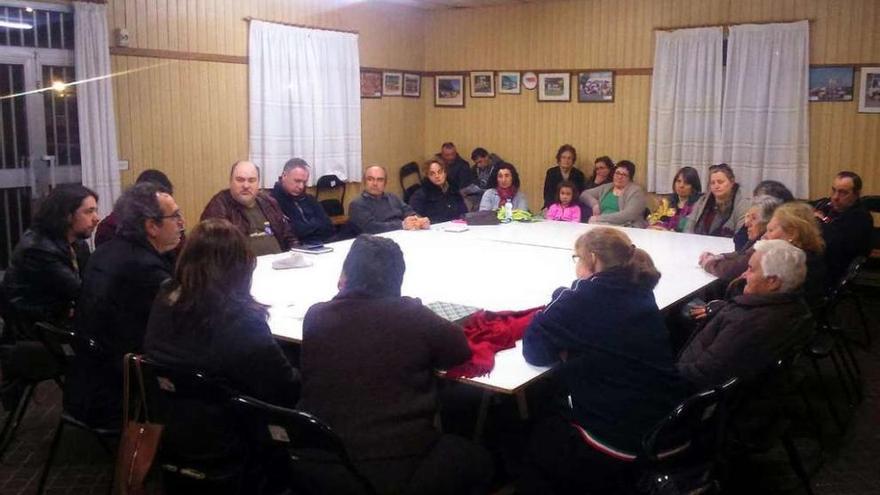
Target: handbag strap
(125, 386)
(140, 377)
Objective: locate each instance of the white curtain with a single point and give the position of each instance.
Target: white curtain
(685, 119)
(97, 123)
(765, 125)
(304, 100)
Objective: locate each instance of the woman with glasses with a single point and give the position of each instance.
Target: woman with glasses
(620, 202)
(615, 364)
(601, 172)
(722, 212)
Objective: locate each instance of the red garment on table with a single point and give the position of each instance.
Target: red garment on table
(489, 332)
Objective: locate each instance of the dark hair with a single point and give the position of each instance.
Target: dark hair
(374, 266)
(563, 149)
(232, 169)
(426, 167)
(724, 169)
(212, 276)
(493, 180)
(156, 177)
(692, 177)
(137, 204)
(479, 153)
(52, 217)
(295, 163)
(617, 252)
(608, 162)
(773, 188)
(854, 177)
(629, 166)
(572, 186)
(447, 145)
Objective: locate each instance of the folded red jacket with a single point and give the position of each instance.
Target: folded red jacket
(489, 332)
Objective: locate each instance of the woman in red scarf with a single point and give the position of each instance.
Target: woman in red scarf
(504, 187)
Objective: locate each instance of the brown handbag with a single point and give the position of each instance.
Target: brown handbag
(140, 439)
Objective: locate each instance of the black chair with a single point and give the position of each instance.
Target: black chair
(406, 172)
(684, 450)
(333, 186)
(310, 442)
(63, 344)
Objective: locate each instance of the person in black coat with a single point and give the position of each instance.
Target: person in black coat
(205, 319)
(308, 218)
(119, 285)
(44, 276)
(437, 199)
(615, 363)
(566, 157)
(846, 225)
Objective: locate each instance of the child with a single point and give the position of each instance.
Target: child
(566, 207)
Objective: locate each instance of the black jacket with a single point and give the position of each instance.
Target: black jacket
(554, 177)
(847, 235)
(430, 201)
(459, 174)
(237, 350)
(309, 220)
(42, 280)
(119, 285)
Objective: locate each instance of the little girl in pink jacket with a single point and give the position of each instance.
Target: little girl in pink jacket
(564, 209)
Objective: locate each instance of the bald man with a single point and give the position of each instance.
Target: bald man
(254, 212)
(377, 211)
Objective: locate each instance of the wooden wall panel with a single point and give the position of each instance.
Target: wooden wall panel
(619, 34)
(190, 118)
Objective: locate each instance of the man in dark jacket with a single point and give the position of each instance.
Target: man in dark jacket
(368, 364)
(846, 224)
(254, 212)
(309, 220)
(119, 285)
(43, 278)
(749, 333)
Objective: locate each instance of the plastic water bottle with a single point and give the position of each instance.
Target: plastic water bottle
(508, 211)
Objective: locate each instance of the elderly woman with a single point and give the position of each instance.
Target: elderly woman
(504, 188)
(205, 319)
(437, 199)
(795, 223)
(622, 202)
(687, 190)
(602, 168)
(728, 266)
(722, 212)
(750, 332)
(564, 170)
(617, 367)
(772, 188)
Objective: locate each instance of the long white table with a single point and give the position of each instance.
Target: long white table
(500, 267)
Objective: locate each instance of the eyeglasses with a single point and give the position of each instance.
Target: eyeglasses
(177, 215)
(621, 173)
(575, 258)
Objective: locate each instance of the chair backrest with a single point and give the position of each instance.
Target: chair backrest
(840, 290)
(299, 432)
(406, 172)
(63, 343)
(335, 187)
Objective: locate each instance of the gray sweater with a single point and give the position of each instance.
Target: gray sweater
(374, 215)
(631, 203)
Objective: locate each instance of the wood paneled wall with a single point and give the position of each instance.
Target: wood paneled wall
(190, 118)
(619, 34)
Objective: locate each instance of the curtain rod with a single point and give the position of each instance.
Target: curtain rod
(726, 26)
(249, 19)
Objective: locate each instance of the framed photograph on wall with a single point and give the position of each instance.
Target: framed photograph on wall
(831, 83)
(412, 85)
(449, 90)
(371, 84)
(483, 84)
(392, 83)
(509, 83)
(554, 86)
(595, 87)
(869, 90)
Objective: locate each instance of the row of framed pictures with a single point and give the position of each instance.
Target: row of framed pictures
(592, 87)
(836, 83)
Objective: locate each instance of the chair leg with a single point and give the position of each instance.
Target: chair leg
(14, 418)
(832, 409)
(795, 459)
(853, 372)
(56, 440)
(864, 318)
(841, 378)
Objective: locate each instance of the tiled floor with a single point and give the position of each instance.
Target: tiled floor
(852, 461)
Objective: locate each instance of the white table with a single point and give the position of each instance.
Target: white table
(500, 267)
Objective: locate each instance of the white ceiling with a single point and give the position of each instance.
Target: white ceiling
(457, 4)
